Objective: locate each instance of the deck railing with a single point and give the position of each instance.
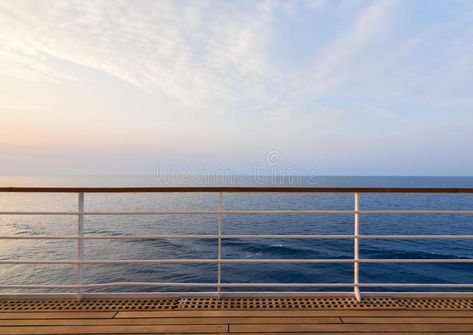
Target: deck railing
(218, 285)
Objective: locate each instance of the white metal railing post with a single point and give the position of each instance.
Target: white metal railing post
(80, 243)
(356, 249)
(219, 248)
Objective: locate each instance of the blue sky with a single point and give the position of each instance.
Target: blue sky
(347, 87)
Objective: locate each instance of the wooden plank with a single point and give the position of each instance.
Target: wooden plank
(406, 320)
(292, 313)
(56, 315)
(380, 327)
(115, 329)
(194, 321)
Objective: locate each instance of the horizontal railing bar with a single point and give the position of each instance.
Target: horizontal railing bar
(233, 261)
(72, 286)
(279, 260)
(236, 189)
(113, 261)
(40, 213)
(413, 285)
(340, 285)
(175, 261)
(152, 237)
(39, 237)
(288, 236)
(347, 236)
(239, 294)
(171, 284)
(126, 237)
(237, 212)
(104, 295)
(423, 260)
(415, 236)
(337, 294)
(408, 211)
(226, 212)
(287, 285)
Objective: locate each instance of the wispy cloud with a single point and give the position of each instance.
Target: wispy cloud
(193, 53)
(235, 77)
(332, 66)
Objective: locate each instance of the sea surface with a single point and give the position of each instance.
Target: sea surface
(18, 225)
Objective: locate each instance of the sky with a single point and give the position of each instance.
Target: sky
(354, 87)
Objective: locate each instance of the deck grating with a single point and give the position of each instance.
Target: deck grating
(235, 304)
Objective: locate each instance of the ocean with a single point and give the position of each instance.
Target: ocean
(236, 224)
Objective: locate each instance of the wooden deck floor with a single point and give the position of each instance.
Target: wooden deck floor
(256, 321)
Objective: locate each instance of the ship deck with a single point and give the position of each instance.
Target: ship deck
(238, 316)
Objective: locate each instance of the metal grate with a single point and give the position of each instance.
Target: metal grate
(234, 303)
(324, 303)
(437, 303)
(87, 305)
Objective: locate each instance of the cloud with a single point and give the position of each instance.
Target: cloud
(232, 77)
(333, 63)
(196, 53)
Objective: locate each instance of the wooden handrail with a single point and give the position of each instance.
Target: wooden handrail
(236, 189)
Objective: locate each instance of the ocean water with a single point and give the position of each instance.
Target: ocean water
(236, 224)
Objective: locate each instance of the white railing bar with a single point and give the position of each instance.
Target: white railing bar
(347, 236)
(80, 243)
(75, 286)
(422, 260)
(254, 294)
(151, 237)
(321, 236)
(219, 246)
(172, 284)
(233, 261)
(415, 236)
(39, 237)
(226, 212)
(287, 285)
(356, 248)
(125, 237)
(113, 261)
(287, 236)
(269, 212)
(157, 237)
(39, 213)
(151, 284)
(416, 212)
(414, 285)
(279, 260)
(105, 295)
(337, 294)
